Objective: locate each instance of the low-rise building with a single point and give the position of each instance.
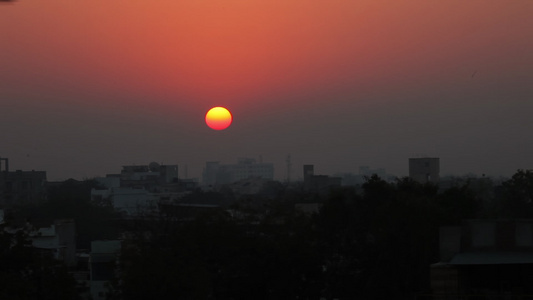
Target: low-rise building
(21, 187)
(103, 261)
(128, 201)
(484, 258)
(58, 241)
(319, 183)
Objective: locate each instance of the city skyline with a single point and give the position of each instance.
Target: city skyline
(88, 87)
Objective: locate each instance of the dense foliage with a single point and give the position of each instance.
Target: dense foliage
(373, 243)
(71, 199)
(28, 274)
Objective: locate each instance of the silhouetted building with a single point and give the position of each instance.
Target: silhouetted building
(148, 176)
(309, 171)
(487, 258)
(209, 176)
(21, 187)
(424, 170)
(139, 190)
(319, 183)
(350, 179)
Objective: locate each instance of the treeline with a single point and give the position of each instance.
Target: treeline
(375, 242)
(28, 273)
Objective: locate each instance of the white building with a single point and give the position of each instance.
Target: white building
(57, 241)
(59, 238)
(131, 202)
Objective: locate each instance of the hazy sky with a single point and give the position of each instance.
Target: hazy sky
(88, 86)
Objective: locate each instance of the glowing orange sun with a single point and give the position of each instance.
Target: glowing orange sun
(218, 118)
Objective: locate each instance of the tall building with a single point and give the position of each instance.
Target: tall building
(424, 170)
(210, 173)
(309, 171)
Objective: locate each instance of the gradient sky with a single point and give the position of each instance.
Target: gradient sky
(89, 86)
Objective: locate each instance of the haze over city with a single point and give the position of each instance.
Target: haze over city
(86, 87)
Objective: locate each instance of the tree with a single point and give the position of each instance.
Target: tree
(516, 196)
(71, 199)
(457, 204)
(28, 273)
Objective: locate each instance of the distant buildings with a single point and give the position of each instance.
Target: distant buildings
(351, 179)
(249, 186)
(128, 201)
(425, 169)
(139, 190)
(148, 176)
(368, 172)
(218, 174)
(319, 183)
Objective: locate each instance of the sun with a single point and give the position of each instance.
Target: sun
(218, 118)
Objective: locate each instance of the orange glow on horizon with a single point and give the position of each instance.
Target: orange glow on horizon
(218, 118)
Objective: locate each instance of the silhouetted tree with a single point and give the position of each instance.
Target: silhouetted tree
(27, 273)
(515, 198)
(373, 243)
(458, 203)
(71, 199)
(271, 256)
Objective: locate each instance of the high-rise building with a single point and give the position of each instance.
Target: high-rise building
(309, 171)
(424, 170)
(209, 176)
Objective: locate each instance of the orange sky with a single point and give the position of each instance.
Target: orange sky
(263, 59)
(234, 50)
